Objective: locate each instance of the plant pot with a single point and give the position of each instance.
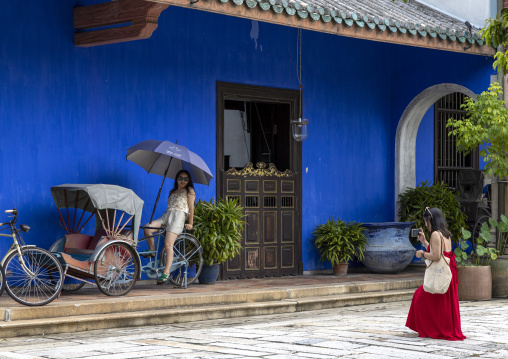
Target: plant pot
(389, 249)
(499, 269)
(340, 269)
(475, 283)
(209, 274)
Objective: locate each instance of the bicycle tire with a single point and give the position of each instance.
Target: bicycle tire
(2, 280)
(42, 285)
(116, 269)
(189, 247)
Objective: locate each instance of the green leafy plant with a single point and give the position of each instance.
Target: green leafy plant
(218, 226)
(502, 233)
(338, 241)
(486, 123)
(495, 32)
(414, 200)
(480, 254)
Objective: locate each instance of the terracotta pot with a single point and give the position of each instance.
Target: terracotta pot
(475, 283)
(340, 269)
(499, 269)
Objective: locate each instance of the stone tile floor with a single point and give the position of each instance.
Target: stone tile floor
(367, 332)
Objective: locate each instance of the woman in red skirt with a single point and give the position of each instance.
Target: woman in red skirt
(436, 315)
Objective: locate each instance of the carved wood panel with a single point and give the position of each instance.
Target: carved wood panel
(269, 239)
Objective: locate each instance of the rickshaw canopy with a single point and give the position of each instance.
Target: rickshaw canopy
(89, 197)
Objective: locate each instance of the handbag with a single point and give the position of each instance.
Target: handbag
(438, 275)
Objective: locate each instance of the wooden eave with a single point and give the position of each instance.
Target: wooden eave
(275, 12)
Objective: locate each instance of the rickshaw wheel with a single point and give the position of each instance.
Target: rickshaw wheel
(116, 269)
(72, 285)
(188, 248)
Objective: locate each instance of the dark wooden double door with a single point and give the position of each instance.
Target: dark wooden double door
(259, 164)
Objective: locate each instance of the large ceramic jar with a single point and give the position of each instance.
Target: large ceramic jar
(389, 249)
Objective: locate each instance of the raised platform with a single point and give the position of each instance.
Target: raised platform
(148, 304)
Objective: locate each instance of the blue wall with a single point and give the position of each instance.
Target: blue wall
(68, 114)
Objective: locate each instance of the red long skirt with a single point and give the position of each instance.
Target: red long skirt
(437, 315)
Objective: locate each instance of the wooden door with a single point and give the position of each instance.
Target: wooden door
(269, 191)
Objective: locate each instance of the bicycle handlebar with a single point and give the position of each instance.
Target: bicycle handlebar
(14, 211)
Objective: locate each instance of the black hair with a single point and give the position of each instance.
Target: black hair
(437, 221)
(189, 184)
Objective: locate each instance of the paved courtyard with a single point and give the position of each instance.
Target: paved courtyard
(370, 331)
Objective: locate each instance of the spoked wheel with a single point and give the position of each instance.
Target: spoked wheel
(186, 250)
(2, 280)
(116, 269)
(34, 279)
(72, 285)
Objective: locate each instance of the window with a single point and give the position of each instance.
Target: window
(447, 161)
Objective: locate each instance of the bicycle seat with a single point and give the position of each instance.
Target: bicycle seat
(24, 228)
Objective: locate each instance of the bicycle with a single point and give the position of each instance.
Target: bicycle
(31, 276)
(187, 258)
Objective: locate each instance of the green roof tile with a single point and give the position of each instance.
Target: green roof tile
(321, 11)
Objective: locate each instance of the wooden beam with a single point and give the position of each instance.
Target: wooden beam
(139, 18)
(270, 16)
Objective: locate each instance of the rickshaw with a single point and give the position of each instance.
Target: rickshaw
(109, 258)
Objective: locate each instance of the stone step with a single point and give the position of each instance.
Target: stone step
(157, 316)
(110, 305)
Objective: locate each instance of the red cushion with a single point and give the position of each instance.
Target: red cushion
(77, 240)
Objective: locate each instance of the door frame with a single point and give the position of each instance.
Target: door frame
(241, 92)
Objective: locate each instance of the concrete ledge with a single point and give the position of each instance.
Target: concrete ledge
(317, 303)
(159, 316)
(133, 319)
(148, 303)
(144, 303)
(354, 287)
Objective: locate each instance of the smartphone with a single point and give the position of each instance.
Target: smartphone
(414, 232)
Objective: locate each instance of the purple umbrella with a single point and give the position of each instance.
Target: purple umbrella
(166, 159)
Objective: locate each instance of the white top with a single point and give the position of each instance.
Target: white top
(178, 202)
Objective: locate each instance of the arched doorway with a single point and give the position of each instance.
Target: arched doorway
(405, 140)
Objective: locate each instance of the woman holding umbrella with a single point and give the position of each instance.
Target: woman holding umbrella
(180, 206)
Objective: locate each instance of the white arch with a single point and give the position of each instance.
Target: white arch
(405, 140)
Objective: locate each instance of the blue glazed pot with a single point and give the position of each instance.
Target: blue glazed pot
(389, 249)
(208, 274)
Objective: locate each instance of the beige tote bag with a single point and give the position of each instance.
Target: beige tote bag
(438, 275)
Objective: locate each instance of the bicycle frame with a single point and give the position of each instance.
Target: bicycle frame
(154, 264)
(15, 247)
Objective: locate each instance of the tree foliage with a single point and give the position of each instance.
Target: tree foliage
(495, 32)
(486, 124)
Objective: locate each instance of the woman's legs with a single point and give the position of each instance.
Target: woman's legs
(148, 232)
(168, 245)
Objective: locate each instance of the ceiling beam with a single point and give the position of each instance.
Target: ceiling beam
(116, 21)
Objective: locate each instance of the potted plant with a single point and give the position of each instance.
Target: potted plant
(484, 126)
(414, 200)
(338, 242)
(473, 270)
(218, 225)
